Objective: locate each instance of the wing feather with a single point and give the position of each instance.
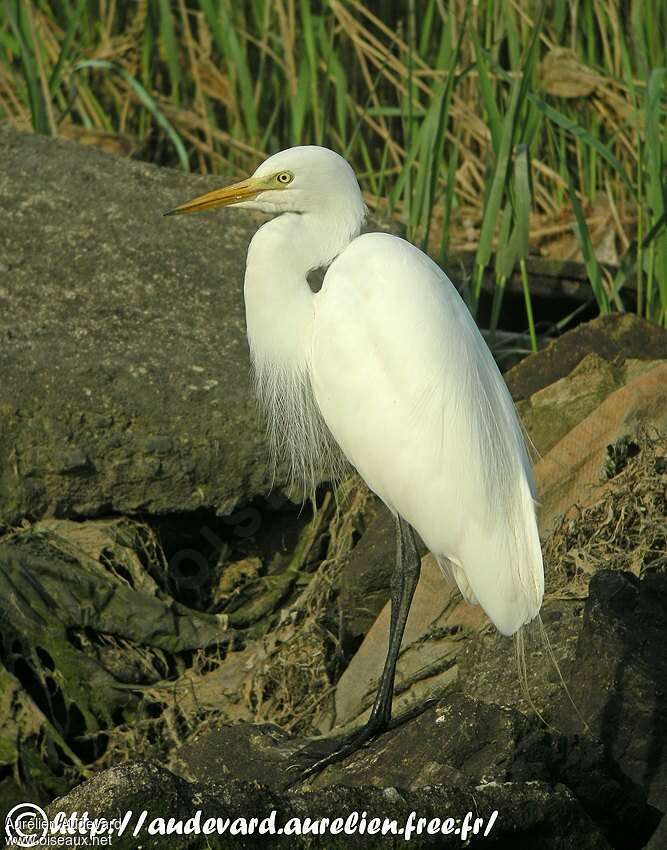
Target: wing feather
(410, 391)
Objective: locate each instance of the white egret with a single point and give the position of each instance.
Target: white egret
(385, 367)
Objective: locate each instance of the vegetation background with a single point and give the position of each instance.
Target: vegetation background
(504, 128)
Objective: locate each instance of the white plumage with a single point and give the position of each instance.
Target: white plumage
(386, 367)
(413, 396)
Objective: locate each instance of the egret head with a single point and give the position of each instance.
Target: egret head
(305, 179)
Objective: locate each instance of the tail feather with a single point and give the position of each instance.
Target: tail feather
(500, 567)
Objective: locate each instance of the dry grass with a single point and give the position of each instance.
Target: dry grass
(415, 96)
(626, 529)
(286, 677)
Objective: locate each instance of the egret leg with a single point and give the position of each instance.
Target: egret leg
(403, 584)
(404, 580)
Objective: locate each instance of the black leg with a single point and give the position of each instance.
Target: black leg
(403, 584)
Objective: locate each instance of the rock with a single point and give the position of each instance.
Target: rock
(557, 388)
(459, 743)
(573, 468)
(618, 336)
(528, 813)
(487, 662)
(464, 741)
(132, 329)
(614, 669)
(619, 679)
(551, 413)
(251, 752)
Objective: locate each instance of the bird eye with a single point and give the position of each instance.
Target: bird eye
(285, 177)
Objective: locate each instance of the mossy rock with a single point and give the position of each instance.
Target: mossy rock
(614, 338)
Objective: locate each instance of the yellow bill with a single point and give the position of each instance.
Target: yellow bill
(245, 190)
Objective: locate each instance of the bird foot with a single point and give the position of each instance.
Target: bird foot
(321, 752)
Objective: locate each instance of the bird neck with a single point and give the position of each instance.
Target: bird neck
(280, 315)
(279, 302)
